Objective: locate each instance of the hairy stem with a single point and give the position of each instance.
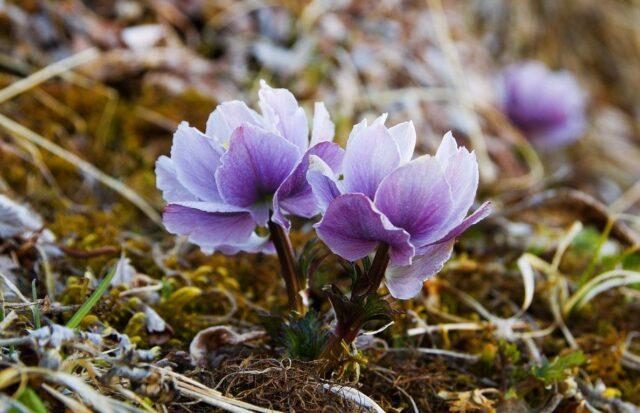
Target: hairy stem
(288, 266)
(333, 348)
(368, 284)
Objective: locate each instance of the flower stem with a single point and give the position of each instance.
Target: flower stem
(288, 266)
(366, 285)
(333, 348)
(370, 283)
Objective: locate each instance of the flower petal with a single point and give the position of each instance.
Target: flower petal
(448, 148)
(461, 171)
(417, 198)
(208, 224)
(406, 282)
(481, 213)
(352, 227)
(405, 136)
(254, 244)
(195, 158)
(227, 117)
(371, 154)
(295, 194)
(323, 129)
(280, 109)
(253, 168)
(323, 183)
(167, 182)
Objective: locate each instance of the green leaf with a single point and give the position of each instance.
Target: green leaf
(586, 242)
(346, 311)
(632, 262)
(376, 308)
(92, 301)
(36, 308)
(304, 338)
(29, 398)
(556, 370)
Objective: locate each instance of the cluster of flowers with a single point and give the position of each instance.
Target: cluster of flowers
(251, 170)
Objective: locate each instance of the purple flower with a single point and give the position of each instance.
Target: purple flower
(549, 107)
(222, 184)
(417, 207)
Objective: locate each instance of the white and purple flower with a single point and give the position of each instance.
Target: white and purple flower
(549, 107)
(245, 170)
(379, 195)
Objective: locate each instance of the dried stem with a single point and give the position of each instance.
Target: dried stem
(288, 266)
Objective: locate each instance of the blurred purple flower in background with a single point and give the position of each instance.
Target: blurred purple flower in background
(416, 208)
(222, 184)
(549, 107)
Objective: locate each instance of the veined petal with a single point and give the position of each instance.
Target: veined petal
(295, 195)
(208, 226)
(253, 168)
(461, 172)
(195, 158)
(417, 198)
(323, 128)
(280, 109)
(167, 182)
(324, 186)
(406, 282)
(371, 155)
(227, 117)
(352, 227)
(405, 136)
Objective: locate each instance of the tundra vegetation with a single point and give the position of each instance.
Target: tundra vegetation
(319, 206)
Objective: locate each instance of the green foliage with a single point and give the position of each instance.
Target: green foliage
(631, 262)
(586, 242)
(30, 399)
(304, 338)
(510, 352)
(92, 301)
(376, 309)
(556, 370)
(36, 307)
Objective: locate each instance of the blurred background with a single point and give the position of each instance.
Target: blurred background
(143, 66)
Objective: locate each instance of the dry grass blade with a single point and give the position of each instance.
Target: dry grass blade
(598, 285)
(444, 328)
(69, 402)
(46, 73)
(438, 352)
(355, 396)
(6, 322)
(199, 391)
(26, 134)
